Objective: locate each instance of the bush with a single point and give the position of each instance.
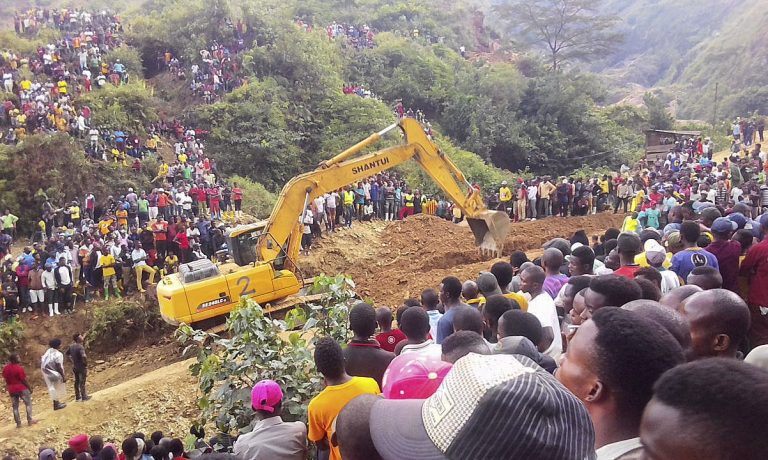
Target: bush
(130, 58)
(11, 338)
(55, 167)
(262, 347)
(257, 200)
(126, 107)
(117, 324)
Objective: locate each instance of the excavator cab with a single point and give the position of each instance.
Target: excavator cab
(490, 229)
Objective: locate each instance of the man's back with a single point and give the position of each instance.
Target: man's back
(366, 359)
(273, 439)
(686, 260)
(325, 407)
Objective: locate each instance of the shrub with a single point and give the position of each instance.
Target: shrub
(257, 200)
(11, 337)
(119, 323)
(262, 347)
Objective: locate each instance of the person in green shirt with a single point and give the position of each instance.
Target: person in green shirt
(9, 222)
(143, 209)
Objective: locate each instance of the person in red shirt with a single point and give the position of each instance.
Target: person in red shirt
(388, 338)
(183, 241)
(628, 247)
(755, 266)
(18, 388)
(163, 202)
(214, 198)
(237, 197)
(160, 230)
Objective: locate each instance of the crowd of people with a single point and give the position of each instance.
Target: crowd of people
(113, 245)
(592, 350)
(40, 87)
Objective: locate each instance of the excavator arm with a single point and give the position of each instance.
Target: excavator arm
(282, 232)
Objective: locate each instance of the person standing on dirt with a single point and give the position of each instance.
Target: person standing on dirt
(505, 198)
(76, 354)
(52, 367)
(389, 201)
(65, 284)
(19, 389)
(36, 291)
(10, 296)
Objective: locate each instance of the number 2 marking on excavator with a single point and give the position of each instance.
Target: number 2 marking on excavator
(245, 281)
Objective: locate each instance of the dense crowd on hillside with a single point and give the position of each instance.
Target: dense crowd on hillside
(40, 88)
(645, 341)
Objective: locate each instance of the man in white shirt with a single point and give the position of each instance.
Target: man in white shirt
(533, 191)
(414, 323)
(139, 257)
(271, 438)
(330, 208)
(611, 365)
(542, 306)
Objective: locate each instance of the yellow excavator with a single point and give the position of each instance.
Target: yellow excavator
(265, 254)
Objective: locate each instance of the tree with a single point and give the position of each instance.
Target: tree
(658, 117)
(569, 29)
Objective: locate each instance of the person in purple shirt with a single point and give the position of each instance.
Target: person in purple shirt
(726, 252)
(551, 261)
(691, 256)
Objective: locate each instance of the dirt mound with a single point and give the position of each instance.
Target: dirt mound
(393, 261)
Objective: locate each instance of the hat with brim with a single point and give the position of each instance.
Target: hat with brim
(407, 438)
(498, 406)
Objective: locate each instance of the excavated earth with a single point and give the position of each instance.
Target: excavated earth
(392, 261)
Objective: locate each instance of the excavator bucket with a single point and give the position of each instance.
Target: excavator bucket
(490, 229)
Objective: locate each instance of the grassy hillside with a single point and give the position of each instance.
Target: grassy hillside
(687, 46)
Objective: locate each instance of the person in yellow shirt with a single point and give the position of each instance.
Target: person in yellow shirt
(122, 218)
(182, 158)
(172, 262)
(339, 390)
(74, 214)
(107, 262)
(162, 170)
(104, 225)
(505, 197)
(151, 144)
(62, 85)
(631, 224)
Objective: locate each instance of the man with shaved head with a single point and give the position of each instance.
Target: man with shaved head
(551, 261)
(542, 306)
(719, 322)
(668, 318)
(471, 293)
(675, 297)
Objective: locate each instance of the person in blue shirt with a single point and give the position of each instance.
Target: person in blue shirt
(450, 298)
(652, 216)
(691, 256)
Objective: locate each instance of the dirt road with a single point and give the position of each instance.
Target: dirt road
(164, 399)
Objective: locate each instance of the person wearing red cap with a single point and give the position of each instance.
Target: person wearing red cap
(271, 437)
(79, 443)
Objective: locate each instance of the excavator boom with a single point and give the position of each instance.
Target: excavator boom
(281, 235)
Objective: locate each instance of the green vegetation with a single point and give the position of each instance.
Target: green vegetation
(54, 167)
(119, 323)
(257, 200)
(11, 337)
(262, 347)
